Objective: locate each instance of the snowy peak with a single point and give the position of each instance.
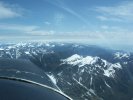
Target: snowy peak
(121, 55)
(95, 65)
(74, 57)
(80, 60)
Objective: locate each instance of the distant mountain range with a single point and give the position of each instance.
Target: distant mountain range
(83, 72)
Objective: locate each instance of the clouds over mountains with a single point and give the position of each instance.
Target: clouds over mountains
(66, 19)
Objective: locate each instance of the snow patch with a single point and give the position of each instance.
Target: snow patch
(107, 84)
(92, 91)
(1, 49)
(91, 80)
(47, 44)
(27, 53)
(110, 71)
(120, 55)
(74, 57)
(52, 78)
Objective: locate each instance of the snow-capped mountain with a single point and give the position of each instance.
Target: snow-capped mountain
(107, 68)
(121, 55)
(84, 72)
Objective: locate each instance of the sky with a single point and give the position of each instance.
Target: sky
(107, 22)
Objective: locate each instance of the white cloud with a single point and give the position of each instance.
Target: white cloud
(65, 7)
(25, 29)
(74, 13)
(112, 28)
(15, 27)
(41, 32)
(59, 18)
(109, 18)
(103, 18)
(121, 12)
(8, 11)
(105, 27)
(47, 23)
(105, 33)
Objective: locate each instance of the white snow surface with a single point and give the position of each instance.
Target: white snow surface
(80, 60)
(120, 55)
(1, 49)
(52, 78)
(110, 71)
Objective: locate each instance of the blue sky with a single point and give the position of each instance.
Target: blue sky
(91, 21)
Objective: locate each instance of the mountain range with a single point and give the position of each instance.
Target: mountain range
(83, 72)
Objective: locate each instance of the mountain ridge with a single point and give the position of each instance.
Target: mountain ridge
(83, 72)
